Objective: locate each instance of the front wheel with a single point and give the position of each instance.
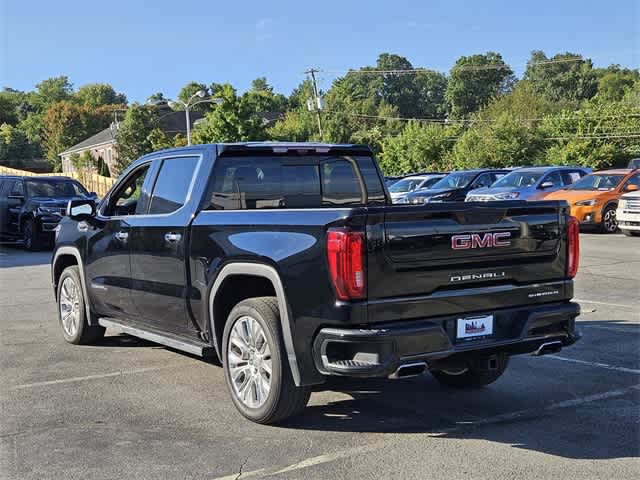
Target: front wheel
(609, 221)
(255, 363)
(472, 376)
(72, 312)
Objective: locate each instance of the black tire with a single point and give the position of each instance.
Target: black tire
(473, 376)
(83, 333)
(30, 236)
(609, 224)
(284, 400)
(631, 233)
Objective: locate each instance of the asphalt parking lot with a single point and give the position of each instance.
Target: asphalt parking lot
(130, 409)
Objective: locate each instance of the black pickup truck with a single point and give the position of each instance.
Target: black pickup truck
(289, 262)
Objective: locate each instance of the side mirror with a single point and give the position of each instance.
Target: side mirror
(631, 188)
(81, 209)
(546, 185)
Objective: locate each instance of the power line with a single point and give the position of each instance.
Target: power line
(474, 68)
(446, 121)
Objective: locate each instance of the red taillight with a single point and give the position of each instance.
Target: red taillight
(345, 255)
(573, 246)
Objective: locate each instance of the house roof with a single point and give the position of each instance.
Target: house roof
(100, 138)
(171, 123)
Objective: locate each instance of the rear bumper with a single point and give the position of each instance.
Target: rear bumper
(379, 351)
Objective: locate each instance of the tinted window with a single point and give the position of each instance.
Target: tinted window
(553, 178)
(375, 190)
(483, 180)
(55, 188)
(454, 180)
(3, 184)
(406, 185)
(601, 181)
(518, 179)
(172, 185)
(340, 183)
(246, 183)
(635, 180)
(17, 188)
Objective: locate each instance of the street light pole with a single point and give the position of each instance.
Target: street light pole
(188, 104)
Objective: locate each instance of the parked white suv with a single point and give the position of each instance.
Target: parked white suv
(628, 213)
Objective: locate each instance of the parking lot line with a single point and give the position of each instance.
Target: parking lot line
(593, 364)
(351, 452)
(621, 305)
(92, 377)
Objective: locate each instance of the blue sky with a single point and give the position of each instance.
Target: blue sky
(141, 47)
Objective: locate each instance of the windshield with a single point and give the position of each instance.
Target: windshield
(455, 180)
(597, 182)
(55, 188)
(405, 185)
(518, 179)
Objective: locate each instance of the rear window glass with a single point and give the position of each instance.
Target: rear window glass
(247, 183)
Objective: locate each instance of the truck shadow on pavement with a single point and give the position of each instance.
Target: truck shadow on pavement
(577, 411)
(15, 256)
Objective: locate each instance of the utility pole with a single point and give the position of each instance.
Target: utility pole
(316, 103)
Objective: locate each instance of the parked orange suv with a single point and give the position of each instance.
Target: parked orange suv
(594, 198)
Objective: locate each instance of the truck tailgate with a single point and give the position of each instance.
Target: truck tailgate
(462, 256)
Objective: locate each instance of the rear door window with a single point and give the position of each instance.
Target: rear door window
(172, 184)
(340, 183)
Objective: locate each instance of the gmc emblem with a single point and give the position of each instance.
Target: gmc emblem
(476, 240)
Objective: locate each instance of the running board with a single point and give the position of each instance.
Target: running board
(193, 346)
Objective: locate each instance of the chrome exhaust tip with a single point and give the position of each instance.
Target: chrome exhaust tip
(548, 347)
(409, 370)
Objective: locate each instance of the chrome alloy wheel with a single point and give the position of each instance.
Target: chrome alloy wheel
(70, 306)
(610, 220)
(249, 362)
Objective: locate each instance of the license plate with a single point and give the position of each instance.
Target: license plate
(472, 327)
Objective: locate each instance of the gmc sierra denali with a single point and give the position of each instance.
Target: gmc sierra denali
(289, 262)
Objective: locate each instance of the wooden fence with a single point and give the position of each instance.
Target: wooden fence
(91, 181)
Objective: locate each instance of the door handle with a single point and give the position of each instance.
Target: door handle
(172, 237)
(122, 236)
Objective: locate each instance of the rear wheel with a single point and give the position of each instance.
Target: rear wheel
(255, 363)
(72, 312)
(609, 222)
(473, 376)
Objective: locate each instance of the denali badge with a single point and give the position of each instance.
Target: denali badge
(476, 240)
(476, 276)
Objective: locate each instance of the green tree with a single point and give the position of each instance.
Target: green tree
(98, 94)
(601, 134)
(420, 147)
(135, 134)
(431, 87)
(64, 124)
(50, 91)
(157, 97)
(504, 142)
(476, 80)
(565, 77)
(615, 82)
(14, 145)
(233, 121)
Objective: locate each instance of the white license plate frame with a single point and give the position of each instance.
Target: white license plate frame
(473, 328)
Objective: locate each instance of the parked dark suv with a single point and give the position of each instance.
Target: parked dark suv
(31, 207)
